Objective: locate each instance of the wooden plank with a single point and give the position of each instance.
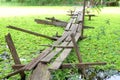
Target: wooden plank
(12, 49)
(81, 65)
(73, 29)
(73, 20)
(58, 61)
(17, 66)
(28, 66)
(79, 18)
(54, 22)
(57, 46)
(61, 39)
(41, 72)
(56, 51)
(53, 53)
(35, 61)
(14, 73)
(69, 24)
(57, 20)
(39, 21)
(79, 28)
(30, 32)
(61, 24)
(76, 48)
(14, 53)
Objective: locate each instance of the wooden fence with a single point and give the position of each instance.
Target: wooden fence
(61, 47)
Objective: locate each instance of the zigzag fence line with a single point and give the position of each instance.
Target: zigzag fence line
(61, 47)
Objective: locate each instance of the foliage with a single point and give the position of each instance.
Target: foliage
(42, 2)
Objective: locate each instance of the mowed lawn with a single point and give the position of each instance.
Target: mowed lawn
(101, 45)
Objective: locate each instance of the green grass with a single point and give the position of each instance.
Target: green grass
(101, 45)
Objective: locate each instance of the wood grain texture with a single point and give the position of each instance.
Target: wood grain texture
(41, 72)
(58, 61)
(14, 53)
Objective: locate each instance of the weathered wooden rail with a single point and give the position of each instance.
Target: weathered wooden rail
(61, 47)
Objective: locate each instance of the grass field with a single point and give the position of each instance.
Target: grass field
(101, 45)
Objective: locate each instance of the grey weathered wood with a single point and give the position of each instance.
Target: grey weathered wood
(57, 50)
(17, 66)
(62, 38)
(14, 53)
(63, 23)
(58, 61)
(69, 24)
(81, 65)
(35, 61)
(57, 46)
(41, 72)
(57, 20)
(53, 53)
(12, 48)
(79, 28)
(73, 29)
(79, 18)
(53, 22)
(76, 48)
(30, 32)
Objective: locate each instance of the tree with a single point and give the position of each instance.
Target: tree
(21, 1)
(8, 0)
